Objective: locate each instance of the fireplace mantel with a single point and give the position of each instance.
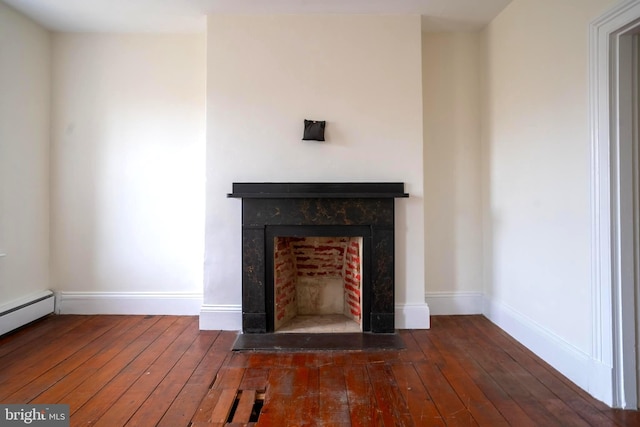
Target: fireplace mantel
(301, 190)
(331, 209)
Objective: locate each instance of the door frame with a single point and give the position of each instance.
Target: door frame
(613, 375)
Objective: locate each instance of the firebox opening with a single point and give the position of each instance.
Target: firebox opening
(317, 284)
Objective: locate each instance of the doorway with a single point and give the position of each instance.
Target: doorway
(626, 119)
(625, 113)
(615, 193)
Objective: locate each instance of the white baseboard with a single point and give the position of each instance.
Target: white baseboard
(448, 303)
(412, 316)
(229, 317)
(25, 310)
(569, 360)
(221, 317)
(156, 303)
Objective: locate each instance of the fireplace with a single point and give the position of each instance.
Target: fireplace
(317, 283)
(335, 217)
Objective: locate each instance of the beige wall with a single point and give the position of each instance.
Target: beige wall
(453, 232)
(127, 164)
(24, 156)
(266, 74)
(536, 175)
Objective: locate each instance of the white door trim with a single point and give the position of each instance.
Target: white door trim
(609, 381)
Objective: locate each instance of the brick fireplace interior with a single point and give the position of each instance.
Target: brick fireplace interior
(323, 250)
(317, 284)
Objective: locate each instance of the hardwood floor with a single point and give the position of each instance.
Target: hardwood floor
(161, 370)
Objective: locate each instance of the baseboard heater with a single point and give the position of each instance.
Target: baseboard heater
(25, 310)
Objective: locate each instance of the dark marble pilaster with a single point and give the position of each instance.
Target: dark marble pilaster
(382, 280)
(254, 323)
(253, 280)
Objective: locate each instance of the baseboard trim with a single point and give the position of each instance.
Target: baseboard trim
(562, 355)
(448, 303)
(221, 317)
(132, 303)
(229, 317)
(412, 316)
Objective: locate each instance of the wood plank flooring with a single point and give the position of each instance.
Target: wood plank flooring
(163, 371)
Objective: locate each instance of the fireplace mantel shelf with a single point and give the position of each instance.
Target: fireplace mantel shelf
(318, 190)
(315, 195)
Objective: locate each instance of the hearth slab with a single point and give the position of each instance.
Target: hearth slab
(305, 342)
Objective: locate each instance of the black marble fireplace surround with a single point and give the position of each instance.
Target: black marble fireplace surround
(272, 210)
